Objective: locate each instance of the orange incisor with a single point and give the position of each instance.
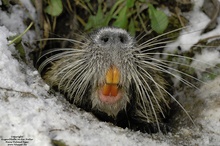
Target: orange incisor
(112, 79)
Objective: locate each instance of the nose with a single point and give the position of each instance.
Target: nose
(110, 37)
(113, 39)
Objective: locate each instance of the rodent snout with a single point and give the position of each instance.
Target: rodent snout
(113, 39)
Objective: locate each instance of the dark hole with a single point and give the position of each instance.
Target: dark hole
(122, 38)
(104, 39)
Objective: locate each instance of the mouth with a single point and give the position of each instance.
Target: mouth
(110, 92)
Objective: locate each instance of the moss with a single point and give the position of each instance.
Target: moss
(57, 143)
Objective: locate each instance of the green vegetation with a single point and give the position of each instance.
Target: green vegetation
(159, 20)
(55, 8)
(57, 143)
(17, 41)
(132, 15)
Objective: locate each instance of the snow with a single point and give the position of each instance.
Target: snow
(29, 111)
(11, 78)
(206, 59)
(210, 115)
(192, 33)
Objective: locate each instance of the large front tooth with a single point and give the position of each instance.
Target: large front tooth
(109, 76)
(116, 75)
(114, 90)
(106, 89)
(110, 90)
(112, 75)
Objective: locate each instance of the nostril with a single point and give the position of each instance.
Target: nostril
(122, 39)
(105, 39)
(111, 38)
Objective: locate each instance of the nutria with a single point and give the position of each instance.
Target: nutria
(111, 75)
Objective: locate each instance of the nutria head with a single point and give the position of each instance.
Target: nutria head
(108, 71)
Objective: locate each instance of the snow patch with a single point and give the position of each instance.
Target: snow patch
(207, 59)
(10, 74)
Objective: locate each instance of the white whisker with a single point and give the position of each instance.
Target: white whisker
(154, 38)
(179, 56)
(154, 44)
(161, 68)
(62, 39)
